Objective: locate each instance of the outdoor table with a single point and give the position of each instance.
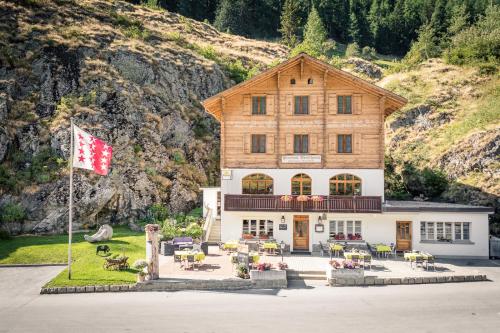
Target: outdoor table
(270, 246)
(231, 245)
(198, 256)
(348, 255)
(412, 256)
(336, 247)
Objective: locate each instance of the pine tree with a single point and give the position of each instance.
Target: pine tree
(359, 27)
(314, 34)
(459, 20)
(439, 19)
(290, 23)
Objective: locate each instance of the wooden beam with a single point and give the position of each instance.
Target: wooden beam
(301, 67)
(325, 112)
(222, 134)
(382, 131)
(278, 115)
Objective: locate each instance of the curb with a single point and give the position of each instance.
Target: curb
(31, 265)
(372, 280)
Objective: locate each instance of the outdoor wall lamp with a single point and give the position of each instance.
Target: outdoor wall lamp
(282, 219)
(319, 219)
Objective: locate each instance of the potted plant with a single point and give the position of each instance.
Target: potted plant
(282, 266)
(141, 266)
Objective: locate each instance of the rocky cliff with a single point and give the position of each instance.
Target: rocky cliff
(130, 75)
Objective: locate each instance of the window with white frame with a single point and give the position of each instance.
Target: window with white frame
(345, 230)
(444, 231)
(255, 227)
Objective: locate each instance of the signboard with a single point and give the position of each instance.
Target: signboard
(319, 228)
(282, 226)
(227, 174)
(301, 159)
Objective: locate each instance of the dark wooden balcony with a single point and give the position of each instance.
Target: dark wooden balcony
(326, 204)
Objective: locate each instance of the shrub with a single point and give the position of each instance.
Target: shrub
(424, 48)
(169, 230)
(352, 50)
(194, 230)
(178, 157)
(12, 213)
(158, 212)
(140, 264)
(368, 53)
(5, 235)
(242, 271)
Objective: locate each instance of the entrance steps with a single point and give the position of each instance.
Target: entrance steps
(214, 236)
(171, 284)
(305, 275)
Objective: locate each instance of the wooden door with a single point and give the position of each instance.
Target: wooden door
(403, 235)
(301, 232)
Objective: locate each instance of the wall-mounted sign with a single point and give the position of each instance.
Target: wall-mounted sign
(301, 159)
(319, 228)
(226, 174)
(282, 226)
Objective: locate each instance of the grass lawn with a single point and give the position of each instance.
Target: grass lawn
(87, 266)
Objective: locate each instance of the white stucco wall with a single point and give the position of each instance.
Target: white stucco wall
(376, 228)
(210, 199)
(372, 180)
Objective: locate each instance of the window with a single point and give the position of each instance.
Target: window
(345, 184)
(345, 230)
(258, 105)
(310, 81)
(344, 143)
(444, 231)
(301, 143)
(292, 81)
(258, 143)
(257, 184)
(301, 105)
(261, 228)
(301, 184)
(344, 105)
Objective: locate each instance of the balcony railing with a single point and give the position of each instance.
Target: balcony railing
(327, 204)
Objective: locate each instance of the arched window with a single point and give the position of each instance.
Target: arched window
(301, 184)
(345, 184)
(257, 183)
(310, 81)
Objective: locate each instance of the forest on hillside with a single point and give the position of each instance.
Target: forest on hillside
(388, 26)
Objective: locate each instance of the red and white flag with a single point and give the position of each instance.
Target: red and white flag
(90, 152)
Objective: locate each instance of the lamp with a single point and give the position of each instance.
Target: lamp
(282, 219)
(319, 219)
(282, 247)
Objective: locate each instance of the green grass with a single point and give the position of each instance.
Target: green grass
(87, 266)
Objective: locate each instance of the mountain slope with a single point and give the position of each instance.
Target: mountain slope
(128, 74)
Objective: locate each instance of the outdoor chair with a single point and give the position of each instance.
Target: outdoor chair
(355, 260)
(323, 249)
(430, 261)
(191, 261)
(394, 252)
(367, 261)
(197, 247)
(418, 261)
(178, 258)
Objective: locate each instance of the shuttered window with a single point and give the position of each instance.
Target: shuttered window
(301, 105)
(301, 143)
(344, 104)
(344, 143)
(258, 143)
(259, 105)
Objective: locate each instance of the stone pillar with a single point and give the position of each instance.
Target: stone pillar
(152, 258)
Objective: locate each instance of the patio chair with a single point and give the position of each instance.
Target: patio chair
(430, 261)
(394, 252)
(355, 260)
(418, 261)
(178, 258)
(190, 260)
(197, 247)
(367, 260)
(323, 249)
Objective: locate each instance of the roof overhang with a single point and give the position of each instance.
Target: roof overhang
(393, 102)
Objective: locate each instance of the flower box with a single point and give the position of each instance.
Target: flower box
(344, 276)
(268, 279)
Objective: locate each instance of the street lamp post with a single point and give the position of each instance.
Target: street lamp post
(282, 247)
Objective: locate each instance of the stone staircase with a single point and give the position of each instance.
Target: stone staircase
(214, 234)
(305, 275)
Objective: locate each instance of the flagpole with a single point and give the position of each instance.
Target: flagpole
(70, 226)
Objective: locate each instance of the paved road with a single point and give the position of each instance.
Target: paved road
(466, 307)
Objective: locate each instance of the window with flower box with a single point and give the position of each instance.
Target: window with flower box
(345, 230)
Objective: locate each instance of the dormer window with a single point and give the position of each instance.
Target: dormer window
(292, 81)
(310, 81)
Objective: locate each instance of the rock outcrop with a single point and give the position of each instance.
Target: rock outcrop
(130, 75)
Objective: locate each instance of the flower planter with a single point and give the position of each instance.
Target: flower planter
(268, 279)
(344, 276)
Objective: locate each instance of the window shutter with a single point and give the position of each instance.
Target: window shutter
(313, 149)
(357, 143)
(247, 143)
(289, 105)
(270, 104)
(270, 144)
(357, 103)
(289, 144)
(313, 104)
(332, 144)
(247, 105)
(332, 104)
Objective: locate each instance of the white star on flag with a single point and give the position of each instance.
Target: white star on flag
(90, 152)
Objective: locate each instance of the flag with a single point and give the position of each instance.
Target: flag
(90, 152)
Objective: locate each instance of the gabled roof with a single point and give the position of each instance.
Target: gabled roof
(393, 101)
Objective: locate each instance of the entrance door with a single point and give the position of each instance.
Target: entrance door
(301, 232)
(403, 235)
